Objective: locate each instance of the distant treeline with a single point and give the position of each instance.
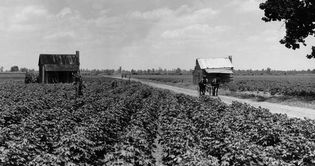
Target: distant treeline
(94, 72)
(179, 71)
(269, 71)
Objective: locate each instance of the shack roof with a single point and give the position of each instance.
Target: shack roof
(59, 59)
(215, 63)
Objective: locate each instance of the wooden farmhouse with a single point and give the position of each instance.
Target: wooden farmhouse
(58, 68)
(220, 68)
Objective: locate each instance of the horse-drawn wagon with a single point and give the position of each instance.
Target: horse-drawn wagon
(210, 73)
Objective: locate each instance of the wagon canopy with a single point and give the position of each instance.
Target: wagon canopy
(221, 68)
(215, 63)
(223, 71)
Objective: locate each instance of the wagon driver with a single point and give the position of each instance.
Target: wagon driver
(202, 85)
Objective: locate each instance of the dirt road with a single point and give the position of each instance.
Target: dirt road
(274, 108)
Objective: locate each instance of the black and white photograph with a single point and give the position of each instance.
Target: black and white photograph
(157, 83)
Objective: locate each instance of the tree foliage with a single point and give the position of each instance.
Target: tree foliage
(299, 19)
(14, 69)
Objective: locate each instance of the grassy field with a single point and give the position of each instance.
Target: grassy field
(12, 75)
(167, 78)
(288, 81)
(293, 79)
(297, 90)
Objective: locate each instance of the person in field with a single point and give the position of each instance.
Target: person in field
(114, 84)
(202, 85)
(215, 86)
(78, 82)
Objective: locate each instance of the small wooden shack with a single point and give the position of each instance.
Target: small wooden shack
(220, 68)
(56, 68)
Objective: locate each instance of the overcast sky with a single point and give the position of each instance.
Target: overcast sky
(142, 34)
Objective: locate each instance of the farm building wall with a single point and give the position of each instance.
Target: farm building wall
(197, 73)
(197, 76)
(58, 68)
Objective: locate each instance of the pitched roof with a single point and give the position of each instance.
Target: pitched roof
(59, 59)
(213, 63)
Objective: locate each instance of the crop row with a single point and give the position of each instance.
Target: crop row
(297, 86)
(48, 125)
(210, 133)
(119, 125)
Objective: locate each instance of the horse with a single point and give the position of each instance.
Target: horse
(215, 86)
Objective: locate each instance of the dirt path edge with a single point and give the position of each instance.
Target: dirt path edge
(291, 111)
